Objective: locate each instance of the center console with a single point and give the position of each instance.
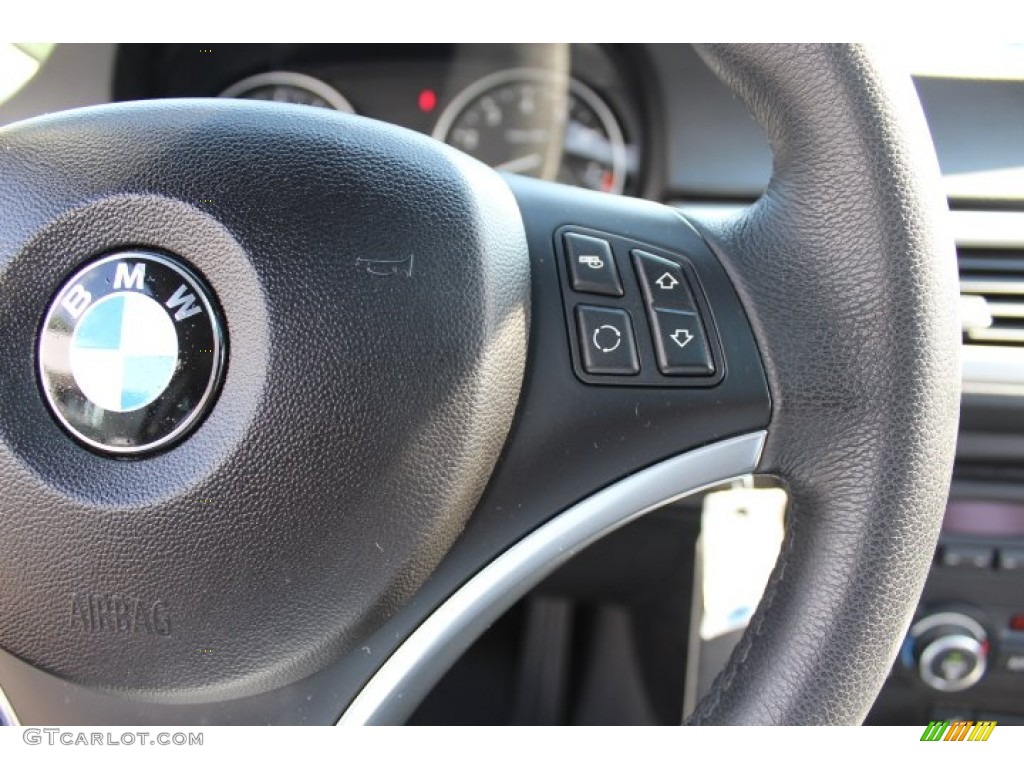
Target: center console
(963, 657)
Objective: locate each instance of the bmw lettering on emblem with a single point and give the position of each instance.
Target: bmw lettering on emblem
(131, 352)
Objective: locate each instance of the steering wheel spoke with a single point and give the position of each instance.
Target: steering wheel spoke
(589, 450)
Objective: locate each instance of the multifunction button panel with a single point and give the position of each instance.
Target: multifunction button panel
(636, 313)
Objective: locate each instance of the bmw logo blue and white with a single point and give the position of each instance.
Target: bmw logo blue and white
(131, 352)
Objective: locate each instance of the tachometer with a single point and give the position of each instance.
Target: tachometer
(538, 124)
(289, 88)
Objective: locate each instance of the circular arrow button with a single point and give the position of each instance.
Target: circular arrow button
(606, 342)
(607, 338)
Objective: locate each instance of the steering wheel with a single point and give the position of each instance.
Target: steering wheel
(407, 388)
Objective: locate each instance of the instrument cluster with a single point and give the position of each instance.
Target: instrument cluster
(574, 114)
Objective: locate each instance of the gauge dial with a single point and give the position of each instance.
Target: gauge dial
(538, 124)
(289, 88)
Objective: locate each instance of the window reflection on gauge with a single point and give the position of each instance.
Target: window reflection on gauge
(289, 88)
(538, 124)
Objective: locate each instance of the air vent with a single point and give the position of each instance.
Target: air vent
(991, 252)
(992, 296)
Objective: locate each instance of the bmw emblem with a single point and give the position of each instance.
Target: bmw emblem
(131, 352)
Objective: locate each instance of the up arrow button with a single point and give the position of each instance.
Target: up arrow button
(667, 282)
(663, 283)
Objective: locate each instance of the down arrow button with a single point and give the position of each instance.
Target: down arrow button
(681, 344)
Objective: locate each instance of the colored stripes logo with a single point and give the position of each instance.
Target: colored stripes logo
(958, 730)
(124, 351)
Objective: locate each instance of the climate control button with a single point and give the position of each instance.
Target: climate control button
(951, 651)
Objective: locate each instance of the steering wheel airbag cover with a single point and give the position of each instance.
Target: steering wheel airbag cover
(374, 286)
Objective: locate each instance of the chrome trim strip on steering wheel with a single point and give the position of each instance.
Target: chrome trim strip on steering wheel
(7, 716)
(397, 688)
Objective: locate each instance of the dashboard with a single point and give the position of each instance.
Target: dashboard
(651, 121)
(535, 110)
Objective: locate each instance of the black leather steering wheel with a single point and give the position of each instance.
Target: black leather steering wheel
(433, 397)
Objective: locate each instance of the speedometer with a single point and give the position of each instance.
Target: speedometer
(289, 88)
(538, 124)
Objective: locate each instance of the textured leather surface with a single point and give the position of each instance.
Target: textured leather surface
(361, 415)
(850, 283)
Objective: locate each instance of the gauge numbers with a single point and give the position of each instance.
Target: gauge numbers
(538, 124)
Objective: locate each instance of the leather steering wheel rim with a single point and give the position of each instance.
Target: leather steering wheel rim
(849, 278)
